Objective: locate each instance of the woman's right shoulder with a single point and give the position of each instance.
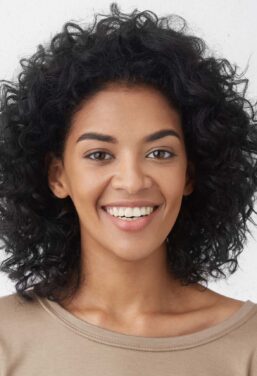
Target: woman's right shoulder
(15, 311)
(12, 300)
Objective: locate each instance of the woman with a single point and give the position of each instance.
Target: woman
(127, 178)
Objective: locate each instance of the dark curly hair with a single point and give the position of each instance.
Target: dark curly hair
(38, 230)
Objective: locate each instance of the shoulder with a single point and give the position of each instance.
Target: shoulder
(217, 309)
(243, 317)
(17, 313)
(227, 308)
(13, 303)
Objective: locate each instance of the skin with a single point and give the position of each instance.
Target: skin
(127, 286)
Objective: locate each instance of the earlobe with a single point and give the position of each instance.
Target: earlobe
(56, 177)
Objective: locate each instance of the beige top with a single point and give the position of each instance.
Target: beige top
(42, 338)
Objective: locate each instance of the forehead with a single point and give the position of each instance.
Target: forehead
(116, 96)
(120, 107)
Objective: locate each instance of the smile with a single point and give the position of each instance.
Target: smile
(134, 223)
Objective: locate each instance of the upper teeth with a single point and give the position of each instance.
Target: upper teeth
(129, 212)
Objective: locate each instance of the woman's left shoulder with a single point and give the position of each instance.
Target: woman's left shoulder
(243, 313)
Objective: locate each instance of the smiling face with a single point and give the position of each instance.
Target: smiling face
(125, 166)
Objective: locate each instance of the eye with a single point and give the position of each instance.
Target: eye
(156, 152)
(96, 153)
(101, 153)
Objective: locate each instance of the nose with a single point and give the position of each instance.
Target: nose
(131, 176)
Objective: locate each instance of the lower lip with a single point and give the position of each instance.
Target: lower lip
(136, 224)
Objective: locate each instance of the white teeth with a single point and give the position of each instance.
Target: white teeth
(129, 212)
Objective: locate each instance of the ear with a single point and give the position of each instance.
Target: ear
(56, 176)
(189, 186)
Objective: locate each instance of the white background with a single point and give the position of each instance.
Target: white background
(228, 27)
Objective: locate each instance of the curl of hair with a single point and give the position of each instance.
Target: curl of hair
(40, 232)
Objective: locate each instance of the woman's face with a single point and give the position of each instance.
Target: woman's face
(96, 173)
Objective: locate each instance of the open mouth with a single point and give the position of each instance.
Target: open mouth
(146, 215)
(132, 223)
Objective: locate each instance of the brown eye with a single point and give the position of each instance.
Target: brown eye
(162, 152)
(97, 153)
(158, 154)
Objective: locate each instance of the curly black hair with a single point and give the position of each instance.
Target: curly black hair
(39, 230)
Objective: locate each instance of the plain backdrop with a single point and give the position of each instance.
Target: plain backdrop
(228, 27)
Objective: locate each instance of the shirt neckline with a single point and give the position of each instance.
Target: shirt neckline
(122, 340)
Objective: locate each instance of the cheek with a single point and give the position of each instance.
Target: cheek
(85, 187)
(173, 181)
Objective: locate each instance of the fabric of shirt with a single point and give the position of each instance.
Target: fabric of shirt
(41, 338)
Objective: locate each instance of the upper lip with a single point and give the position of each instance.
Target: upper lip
(131, 204)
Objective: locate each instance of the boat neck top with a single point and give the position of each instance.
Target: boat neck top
(107, 336)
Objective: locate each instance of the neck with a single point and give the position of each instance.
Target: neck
(131, 288)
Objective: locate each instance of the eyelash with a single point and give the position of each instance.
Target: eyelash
(104, 152)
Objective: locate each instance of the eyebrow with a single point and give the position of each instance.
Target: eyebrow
(107, 138)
